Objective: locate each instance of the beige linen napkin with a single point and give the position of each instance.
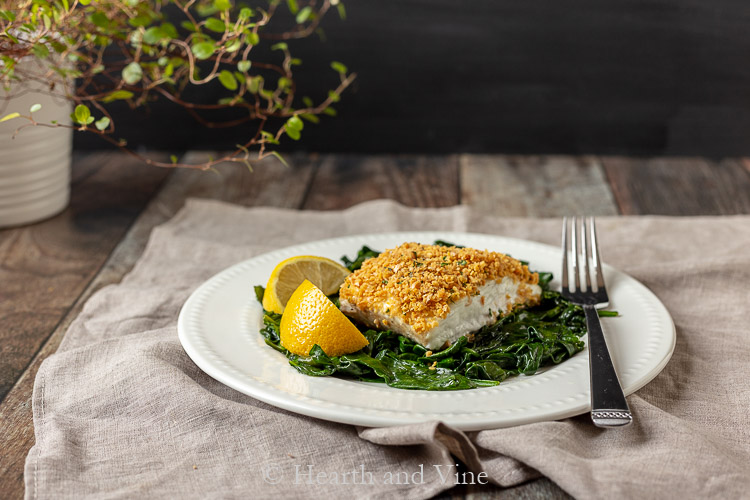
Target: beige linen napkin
(121, 411)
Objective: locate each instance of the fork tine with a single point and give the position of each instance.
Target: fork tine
(565, 287)
(586, 253)
(595, 257)
(576, 257)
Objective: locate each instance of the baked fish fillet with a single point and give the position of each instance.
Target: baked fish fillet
(435, 294)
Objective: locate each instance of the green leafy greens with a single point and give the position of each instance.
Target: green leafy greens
(519, 343)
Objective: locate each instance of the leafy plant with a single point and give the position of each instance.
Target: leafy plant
(95, 52)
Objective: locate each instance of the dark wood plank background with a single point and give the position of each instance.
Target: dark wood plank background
(49, 270)
(645, 77)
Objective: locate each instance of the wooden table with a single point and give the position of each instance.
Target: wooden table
(50, 269)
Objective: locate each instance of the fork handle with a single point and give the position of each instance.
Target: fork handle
(608, 405)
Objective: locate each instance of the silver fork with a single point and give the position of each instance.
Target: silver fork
(608, 405)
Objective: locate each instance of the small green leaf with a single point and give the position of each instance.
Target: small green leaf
(99, 19)
(233, 46)
(329, 112)
(81, 114)
(333, 96)
(307, 101)
(57, 46)
(153, 35)
(253, 84)
(245, 14)
(294, 123)
(252, 38)
(216, 25)
(311, 118)
(9, 116)
(139, 21)
(117, 94)
(295, 61)
(205, 10)
(132, 73)
(281, 158)
(337, 66)
(169, 30)
(304, 14)
(188, 25)
(342, 11)
(284, 83)
(243, 66)
(101, 41)
(40, 50)
(9, 35)
(227, 79)
(102, 123)
(203, 50)
(34, 108)
(223, 4)
(293, 7)
(294, 134)
(269, 137)
(173, 158)
(279, 46)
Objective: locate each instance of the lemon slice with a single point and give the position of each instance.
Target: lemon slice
(311, 318)
(326, 274)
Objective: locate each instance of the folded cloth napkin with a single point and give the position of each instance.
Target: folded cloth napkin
(121, 411)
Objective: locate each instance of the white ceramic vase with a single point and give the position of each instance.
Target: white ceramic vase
(35, 165)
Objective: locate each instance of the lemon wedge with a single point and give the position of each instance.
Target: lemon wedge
(311, 318)
(326, 274)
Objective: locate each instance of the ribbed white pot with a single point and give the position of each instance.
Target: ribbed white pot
(35, 165)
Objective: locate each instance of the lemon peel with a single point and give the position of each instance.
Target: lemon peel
(311, 318)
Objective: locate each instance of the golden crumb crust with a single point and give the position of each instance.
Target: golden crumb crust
(417, 283)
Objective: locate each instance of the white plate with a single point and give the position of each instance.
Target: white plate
(218, 327)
